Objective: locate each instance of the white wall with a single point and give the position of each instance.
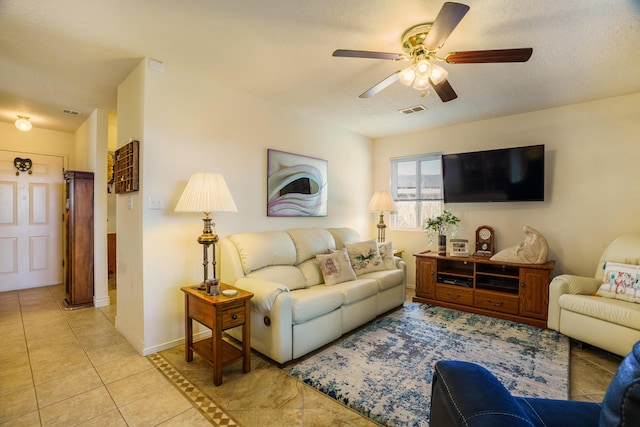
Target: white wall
(130, 312)
(592, 152)
(41, 141)
(192, 125)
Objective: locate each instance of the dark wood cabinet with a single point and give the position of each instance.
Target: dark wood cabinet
(426, 277)
(78, 237)
(511, 291)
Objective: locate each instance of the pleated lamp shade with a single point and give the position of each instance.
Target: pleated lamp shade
(206, 193)
(382, 202)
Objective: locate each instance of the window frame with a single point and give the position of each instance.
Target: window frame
(419, 200)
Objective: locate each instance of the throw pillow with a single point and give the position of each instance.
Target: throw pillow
(365, 257)
(621, 281)
(336, 267)
(386, 252)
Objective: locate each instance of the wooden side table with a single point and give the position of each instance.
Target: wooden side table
(218, 313)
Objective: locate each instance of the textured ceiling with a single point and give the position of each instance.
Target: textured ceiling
(72, 54)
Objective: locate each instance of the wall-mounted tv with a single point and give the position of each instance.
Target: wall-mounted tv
(504, 175)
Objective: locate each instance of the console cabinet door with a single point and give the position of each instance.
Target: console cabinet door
(534, 292)
(426, 277)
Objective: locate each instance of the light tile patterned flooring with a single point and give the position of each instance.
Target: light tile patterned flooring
(60, 367)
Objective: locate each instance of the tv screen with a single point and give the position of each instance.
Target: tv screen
(504, 175)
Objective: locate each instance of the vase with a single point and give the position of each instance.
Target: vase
(442, 244)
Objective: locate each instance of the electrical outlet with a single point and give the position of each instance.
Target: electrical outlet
(156, 202)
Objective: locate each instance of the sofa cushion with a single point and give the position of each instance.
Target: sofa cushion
(365, 256)
(311, 271)
(344, 235)
(287, 275)
(309, 303)
(257, 250)
(336, 267)
(357, 290)
(610, 310)
(621, 403)
(311, 241)
(386, 278)
(386, 252)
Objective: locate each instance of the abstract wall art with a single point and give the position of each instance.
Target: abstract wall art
(296, 185)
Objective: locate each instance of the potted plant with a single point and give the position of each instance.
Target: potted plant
(441, 225)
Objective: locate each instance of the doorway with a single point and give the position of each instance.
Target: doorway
(31, 221)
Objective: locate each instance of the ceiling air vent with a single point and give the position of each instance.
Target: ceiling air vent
(71, 112)
(412, 110)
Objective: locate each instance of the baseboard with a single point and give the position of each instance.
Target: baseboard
(174, 343)
(104, 301)
(134, 340)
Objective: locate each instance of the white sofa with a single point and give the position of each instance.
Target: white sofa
(293, 311)
(574, 310)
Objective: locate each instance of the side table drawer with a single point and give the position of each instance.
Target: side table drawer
(233, 316)
(496, 301)
(454, 294)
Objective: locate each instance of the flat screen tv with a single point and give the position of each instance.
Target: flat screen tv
(504, 175)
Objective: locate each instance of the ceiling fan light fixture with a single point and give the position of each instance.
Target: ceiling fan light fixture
(438, 74)
(23, 124)
(407, 75)
(421, 83)
(423, 69)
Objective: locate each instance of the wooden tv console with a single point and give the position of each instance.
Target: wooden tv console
(511, 291)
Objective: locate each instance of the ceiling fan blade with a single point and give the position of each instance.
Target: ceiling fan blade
(346, 53)
(388, 81)
(488, 56)
(447, 20)
(445, 91)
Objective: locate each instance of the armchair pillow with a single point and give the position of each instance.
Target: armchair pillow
(621, 281)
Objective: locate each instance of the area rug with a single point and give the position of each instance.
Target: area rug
(384, 370)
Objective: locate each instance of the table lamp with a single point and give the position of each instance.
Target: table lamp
(207, 193)
(382, 202)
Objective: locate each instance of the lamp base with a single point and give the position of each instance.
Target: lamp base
(381, 228)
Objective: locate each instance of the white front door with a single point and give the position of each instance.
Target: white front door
(31, 250)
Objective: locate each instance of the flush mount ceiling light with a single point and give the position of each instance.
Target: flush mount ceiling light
(23, 123)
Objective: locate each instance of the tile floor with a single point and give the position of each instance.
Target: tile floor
(60, 367)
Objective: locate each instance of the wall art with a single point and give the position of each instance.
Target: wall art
(296, 185)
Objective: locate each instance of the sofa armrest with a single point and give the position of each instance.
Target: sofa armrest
(567, 284)
(466, 394)
(264, 292)
(401, 265)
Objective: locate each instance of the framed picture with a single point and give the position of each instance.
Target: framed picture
(296, 185)
(459, 247)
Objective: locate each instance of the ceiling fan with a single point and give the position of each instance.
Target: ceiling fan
(421, 44)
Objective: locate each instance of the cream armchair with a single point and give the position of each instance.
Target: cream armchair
(575, 311)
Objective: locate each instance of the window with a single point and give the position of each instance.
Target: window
(416, 187)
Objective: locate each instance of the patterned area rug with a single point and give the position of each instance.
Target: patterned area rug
(384, 370)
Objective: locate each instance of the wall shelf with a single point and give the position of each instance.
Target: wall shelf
(126, 171)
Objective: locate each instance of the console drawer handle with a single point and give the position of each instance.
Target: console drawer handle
(450, 295)
(234, 317)
(495, 304)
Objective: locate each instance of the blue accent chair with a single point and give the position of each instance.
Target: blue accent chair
(466, 394)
